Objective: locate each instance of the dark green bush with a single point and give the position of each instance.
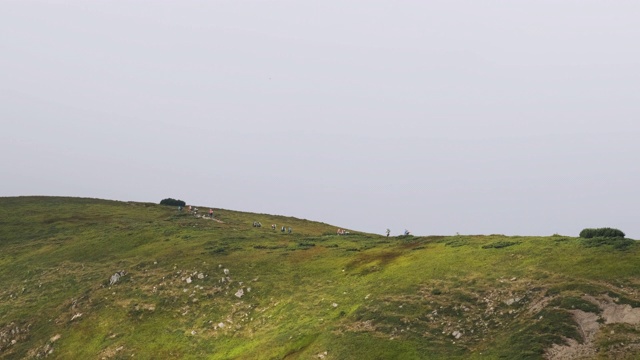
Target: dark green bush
(601, 232)
(172, 202)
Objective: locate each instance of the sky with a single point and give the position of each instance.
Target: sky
(440, 117)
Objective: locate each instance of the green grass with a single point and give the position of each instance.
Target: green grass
(360, 296)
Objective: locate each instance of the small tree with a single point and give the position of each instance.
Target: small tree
(601, 232)
(172, 202)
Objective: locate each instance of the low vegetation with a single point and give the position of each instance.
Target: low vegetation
(191, 287)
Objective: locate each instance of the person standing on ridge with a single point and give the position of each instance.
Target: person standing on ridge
(211, 213)
(388, 232)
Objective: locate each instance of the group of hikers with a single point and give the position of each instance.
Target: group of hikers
(406, 232)
(194, 210)
(283, 230)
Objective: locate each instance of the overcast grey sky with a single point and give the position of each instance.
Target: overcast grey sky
(477, 117)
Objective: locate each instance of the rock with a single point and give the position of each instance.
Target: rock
(115, 277)
(77, 315)
(201, 276)
(335, 305)
(457, 334)
(188, 280)
(512, 301)
(239, 293)
(55, 338)
(221, 325)
(226, 271)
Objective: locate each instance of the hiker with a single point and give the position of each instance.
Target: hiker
(211, 213)
(388, 231)
(179, 208)
(273, 226)
(290, 229)
(189, 208)
(407, 232)
(339, 231)
(282, 229)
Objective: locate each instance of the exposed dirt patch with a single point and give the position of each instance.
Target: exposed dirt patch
(589, 326)
(573, 351)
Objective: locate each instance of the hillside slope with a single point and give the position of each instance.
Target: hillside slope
(193, 288)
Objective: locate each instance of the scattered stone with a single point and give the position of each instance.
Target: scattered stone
(239, 293)
(77, 315)
(188, 280)
(456, 334)
(334, 305)
(226, 271)
(55, 338)
(201, 276)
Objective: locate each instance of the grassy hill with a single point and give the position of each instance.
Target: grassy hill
(310, 294)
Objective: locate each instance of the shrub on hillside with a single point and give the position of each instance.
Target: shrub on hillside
(172, 202)
(618, 243)
(601, 232)
(499, 244)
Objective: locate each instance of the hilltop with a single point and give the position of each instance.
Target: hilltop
(192, 288)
